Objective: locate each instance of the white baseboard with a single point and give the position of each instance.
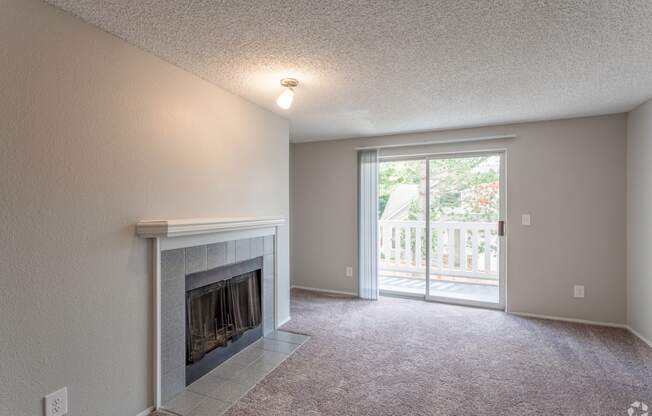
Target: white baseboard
(146, 412)
(285, 321)
(559, 318)
(314, 289)
(529, 315)
(583, 321)
(638, 334)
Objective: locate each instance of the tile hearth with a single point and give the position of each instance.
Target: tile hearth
(218, 390)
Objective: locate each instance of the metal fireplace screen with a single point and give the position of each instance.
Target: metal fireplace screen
(219, 312)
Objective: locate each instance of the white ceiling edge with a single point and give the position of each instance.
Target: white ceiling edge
(456, 129)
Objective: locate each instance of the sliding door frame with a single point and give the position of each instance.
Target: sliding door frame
(502, 254)
(501, 239)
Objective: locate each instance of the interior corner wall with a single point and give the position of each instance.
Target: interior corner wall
(639, 220)
(95, 135)
(570, 175)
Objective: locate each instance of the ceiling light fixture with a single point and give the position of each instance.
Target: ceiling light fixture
(285, 99)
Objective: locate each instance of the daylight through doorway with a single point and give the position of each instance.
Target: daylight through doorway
(453, 254)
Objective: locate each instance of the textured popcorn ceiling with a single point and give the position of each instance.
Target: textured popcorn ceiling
(379, 67)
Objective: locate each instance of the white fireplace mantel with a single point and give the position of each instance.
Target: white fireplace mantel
(195, 226)
(179, 233)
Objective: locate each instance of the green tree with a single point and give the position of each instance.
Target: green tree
(392, 174)
(461, 189)
(464, 189)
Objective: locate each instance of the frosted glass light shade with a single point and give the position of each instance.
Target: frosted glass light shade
(285, 99)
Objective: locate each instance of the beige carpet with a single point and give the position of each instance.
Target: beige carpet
(406, 357)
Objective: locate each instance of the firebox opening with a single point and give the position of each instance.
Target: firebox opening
(221, 312)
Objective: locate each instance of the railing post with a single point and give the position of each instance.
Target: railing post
(487, 251)
(451, 247)
(408, 245)
(395, 243)
(417, 246)
(440, 246)
(474, 249)
(462, 248)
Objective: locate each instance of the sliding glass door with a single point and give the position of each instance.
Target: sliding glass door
(464, 220)
(454, 254)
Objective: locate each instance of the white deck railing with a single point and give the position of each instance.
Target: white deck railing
(463, 249)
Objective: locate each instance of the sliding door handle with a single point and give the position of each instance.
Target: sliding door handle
(501, 228)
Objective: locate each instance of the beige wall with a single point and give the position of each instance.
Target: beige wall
(95, 135)
(569, 175)
(639, 222)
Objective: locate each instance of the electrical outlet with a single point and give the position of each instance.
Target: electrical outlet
(349, 271)
(578, 291)
(526, 219)
(56, 404)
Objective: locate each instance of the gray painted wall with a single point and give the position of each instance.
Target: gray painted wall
(570, 175)
(96, 135)
(639, 222)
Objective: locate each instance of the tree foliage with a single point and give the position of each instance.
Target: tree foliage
(461, 189)
(392, 174)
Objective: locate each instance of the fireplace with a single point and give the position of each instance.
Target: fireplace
(203, 254)
(223, 314)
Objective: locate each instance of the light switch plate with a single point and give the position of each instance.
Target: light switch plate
(349, 271)
(578, 291)
(56, 404)
(526, 219)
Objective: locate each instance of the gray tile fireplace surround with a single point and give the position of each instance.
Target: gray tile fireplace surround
(175, 265)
